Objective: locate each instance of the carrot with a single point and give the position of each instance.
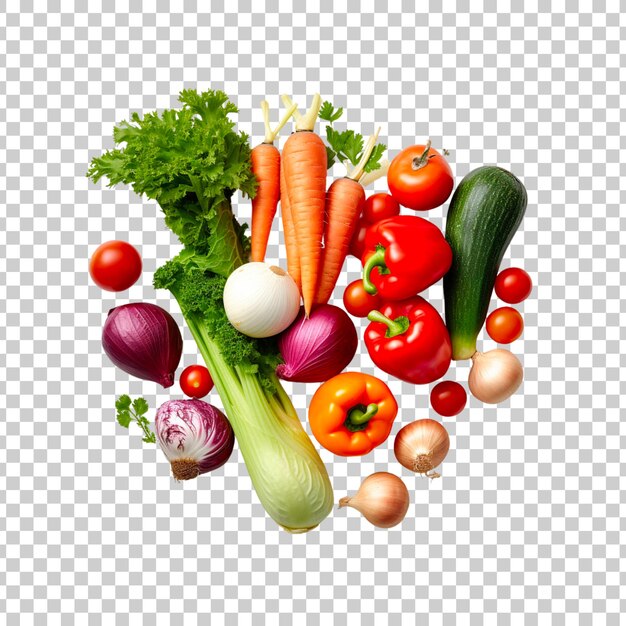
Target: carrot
(304, 161)
(293, 260)
(265, 160)
(344, 203)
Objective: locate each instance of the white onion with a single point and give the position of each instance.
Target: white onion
(261, 300)
(495, 375)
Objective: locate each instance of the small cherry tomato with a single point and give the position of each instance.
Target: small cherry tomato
(357, 301)
(513, 285)
(505, 325)
(195, 381)
(357, 243)
(419, 178)
(448, 398)
(115, 266)
(379, 207)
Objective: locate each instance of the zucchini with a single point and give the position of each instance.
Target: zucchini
(485, 211)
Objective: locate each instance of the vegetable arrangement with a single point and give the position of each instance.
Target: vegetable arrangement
(247, 318)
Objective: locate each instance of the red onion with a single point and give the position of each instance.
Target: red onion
(317, 348)
(194, 436)
(143, 340)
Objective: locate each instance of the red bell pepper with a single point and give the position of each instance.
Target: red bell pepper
(404, 255)
(409, 340)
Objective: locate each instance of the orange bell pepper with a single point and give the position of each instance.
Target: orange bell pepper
(352, 413)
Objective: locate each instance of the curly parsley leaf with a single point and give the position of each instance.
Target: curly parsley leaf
(199, 293)
(191, 161)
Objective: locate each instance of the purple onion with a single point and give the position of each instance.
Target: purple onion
(317, 348)
(143, 340)
(195, 437)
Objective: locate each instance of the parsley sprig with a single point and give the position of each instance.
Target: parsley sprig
(346, 146)
(134, 411)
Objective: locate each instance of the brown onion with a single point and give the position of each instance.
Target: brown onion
(421, 446)
(382, 499)
(495, 376)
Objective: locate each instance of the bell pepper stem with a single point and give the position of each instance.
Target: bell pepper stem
(376, 260)
(394, 327)
(360, 415)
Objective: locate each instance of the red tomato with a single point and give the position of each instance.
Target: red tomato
(357, 243)
(505, 325)
(513, 285)
(379, 207)
(420, 182)
(448, 398)
(357, 301)
(195, 381)
(115, 266)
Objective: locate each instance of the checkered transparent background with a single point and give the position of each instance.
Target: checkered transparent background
(527, 522)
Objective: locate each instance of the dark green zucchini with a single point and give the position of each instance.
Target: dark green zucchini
(485, 211)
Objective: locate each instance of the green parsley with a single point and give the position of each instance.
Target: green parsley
(134, 411)
(347, 146)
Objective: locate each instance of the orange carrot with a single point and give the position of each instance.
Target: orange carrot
(344, 203)
(265, 160)
(293, 260)
(304, 160)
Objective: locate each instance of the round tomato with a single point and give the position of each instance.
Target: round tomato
(419, 178)
(195, 381)
(379, 207)
(513, 285)
(115, 266)
(448, 398)
(505, 325)
(357, 301)
(357, 243)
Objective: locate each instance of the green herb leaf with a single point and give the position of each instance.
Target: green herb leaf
(373, 163)
(330, 157)
(122, 403)
(124, 419)
(347, 147)
(328, 113)
(134, 411)
(190, 161)
(140, 406)
(353, 146)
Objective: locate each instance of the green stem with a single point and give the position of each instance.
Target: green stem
(359, 414)
(376, 260)
(420, 161)
(394, 327)
(463, 347)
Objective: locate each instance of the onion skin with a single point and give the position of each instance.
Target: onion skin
(421, 446)
(317, 348)
(382, 499)
(195, 437)
(495, 376)
(261, 300)
(143, 340)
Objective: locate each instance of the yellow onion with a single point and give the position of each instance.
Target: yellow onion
(382, 499)
(495, 375)
(421, 446)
